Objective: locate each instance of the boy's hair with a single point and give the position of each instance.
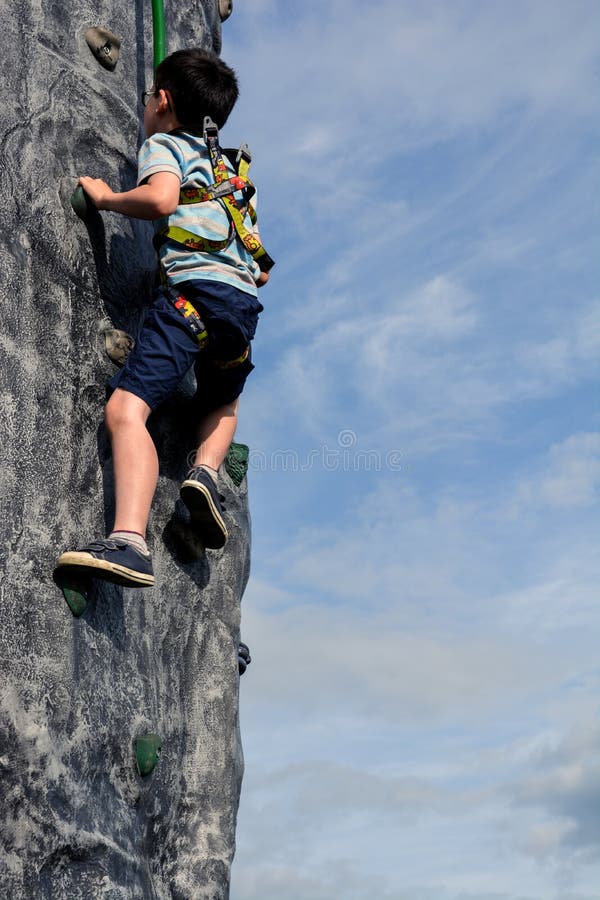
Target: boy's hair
(200, 84)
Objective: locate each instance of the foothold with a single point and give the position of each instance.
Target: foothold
(225, 9)
(147, 751)
(118, 345)
(79, 202)
(104, 45)
(244, 658)
(75, 591)
(236, 462)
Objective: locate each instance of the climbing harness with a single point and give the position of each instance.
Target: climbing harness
(191, 315)
(223, 190)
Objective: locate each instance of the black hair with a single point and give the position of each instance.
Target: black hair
(200, 84)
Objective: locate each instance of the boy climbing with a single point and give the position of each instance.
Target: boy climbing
(204, 313)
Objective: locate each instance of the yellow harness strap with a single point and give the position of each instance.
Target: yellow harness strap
(194, 241)
(189, 312)
(223, 189)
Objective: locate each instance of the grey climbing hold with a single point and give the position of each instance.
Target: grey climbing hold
(244, 658)
(79, 202)
(118, 345)
(225, 9)
(104, 45)
(147, 751)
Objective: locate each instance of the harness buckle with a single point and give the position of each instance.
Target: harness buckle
(210, 129)
(244, 153)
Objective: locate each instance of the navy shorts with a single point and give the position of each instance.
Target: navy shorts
(166, 347)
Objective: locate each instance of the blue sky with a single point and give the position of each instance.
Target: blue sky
(420, 721)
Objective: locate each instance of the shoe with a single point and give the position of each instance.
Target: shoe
(111, 560)
(201, 497)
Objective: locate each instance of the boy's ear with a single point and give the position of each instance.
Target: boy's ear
(165, 101)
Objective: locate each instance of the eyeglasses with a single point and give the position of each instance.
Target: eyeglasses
(146, 96)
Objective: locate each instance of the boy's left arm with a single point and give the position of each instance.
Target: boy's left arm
(156, 198)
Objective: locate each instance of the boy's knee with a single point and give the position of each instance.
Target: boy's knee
(124, 408)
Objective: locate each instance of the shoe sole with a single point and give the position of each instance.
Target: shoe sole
(84, 564)
(206, 518)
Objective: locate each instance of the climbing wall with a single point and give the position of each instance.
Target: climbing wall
(78, 820)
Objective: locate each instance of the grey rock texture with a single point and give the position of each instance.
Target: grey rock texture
(77, 820)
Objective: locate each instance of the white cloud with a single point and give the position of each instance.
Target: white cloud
(560, 786)
(569, 478)
(427, 70)
(424, 634)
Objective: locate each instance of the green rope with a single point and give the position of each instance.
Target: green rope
(158, 21)
(236, 462)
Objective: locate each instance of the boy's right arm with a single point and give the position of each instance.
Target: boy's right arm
(156, 198)
(262, 279)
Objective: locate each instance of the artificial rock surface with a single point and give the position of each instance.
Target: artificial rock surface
(78, 821)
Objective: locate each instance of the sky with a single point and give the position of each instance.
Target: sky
(420, 719)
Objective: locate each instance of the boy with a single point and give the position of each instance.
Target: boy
(218, 277)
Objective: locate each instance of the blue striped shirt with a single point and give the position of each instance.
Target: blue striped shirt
(186, 155)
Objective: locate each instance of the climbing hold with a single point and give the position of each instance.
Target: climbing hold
(104, 45)
(147, 751)
(79, 202)
(244, 658)
(236, 462)
(118, 345)
(225, 9)
(75, 591)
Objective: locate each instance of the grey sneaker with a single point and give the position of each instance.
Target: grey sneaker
(201, 497)
(111, 560)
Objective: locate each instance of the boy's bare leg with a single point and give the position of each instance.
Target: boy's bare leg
(199, 492)
(215, 435)
(135, 460)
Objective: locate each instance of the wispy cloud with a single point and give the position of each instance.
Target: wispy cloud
(424, 683)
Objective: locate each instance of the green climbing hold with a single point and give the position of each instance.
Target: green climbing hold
(236, 462)
(147, 751)
(79, 202)
(75, 591)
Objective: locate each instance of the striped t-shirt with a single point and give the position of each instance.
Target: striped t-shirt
(186, 155)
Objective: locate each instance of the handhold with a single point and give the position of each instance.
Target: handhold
(147, 751)
(225, 9)
(244, 658)
(104, 45)
(79, 202)
(118, 345)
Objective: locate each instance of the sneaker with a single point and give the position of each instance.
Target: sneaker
(201, 497)
(111, 560)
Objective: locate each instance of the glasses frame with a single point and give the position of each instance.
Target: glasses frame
(146, 96)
